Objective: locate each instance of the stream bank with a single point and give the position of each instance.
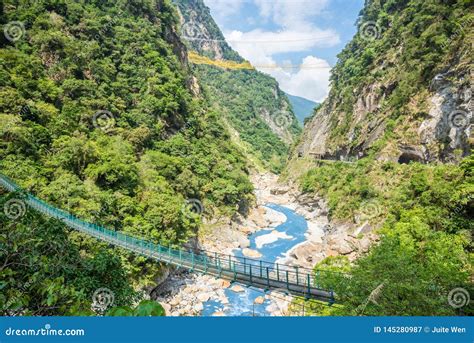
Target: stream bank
(285, 227)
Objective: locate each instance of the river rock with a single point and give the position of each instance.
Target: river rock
(251, 253)
(190, 289)
(364, 244)
(237, 289)
(225, 284)
(305, 252)
(223, 300)
(257, 217)
(315, 232)
(243, 241)
(247, 229)
(280, 190)
(330, 252)
(364, 228)
(174, 301)
(345, 247)
(203, 297)
(274, 218)
(259, 300)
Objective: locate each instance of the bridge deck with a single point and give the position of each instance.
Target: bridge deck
(260, 274)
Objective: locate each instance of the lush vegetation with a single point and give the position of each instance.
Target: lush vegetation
(46, 270)
(401, 46)
(146, 308)
(244, 97)
(422, 213)
(425, 247)
(133, 167)
(250, 101)
(430, 31)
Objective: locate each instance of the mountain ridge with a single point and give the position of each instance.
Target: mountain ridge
(302, 107)
(388, 92)
(250, 101)
(87, 130)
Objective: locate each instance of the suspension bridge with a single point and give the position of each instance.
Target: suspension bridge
(296, 281)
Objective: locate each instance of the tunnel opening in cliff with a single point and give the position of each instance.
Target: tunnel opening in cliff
(408, 157)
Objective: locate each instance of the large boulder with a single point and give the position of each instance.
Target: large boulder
(251, 253)
(237, 289)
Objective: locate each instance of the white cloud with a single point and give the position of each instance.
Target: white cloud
(297, 33)
(257, 42)
(311, 81)
(290, 13)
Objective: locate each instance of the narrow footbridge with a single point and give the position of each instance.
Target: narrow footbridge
(260, 274)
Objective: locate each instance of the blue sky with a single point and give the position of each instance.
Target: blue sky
(295, 41)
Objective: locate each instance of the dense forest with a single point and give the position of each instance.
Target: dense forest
(102, 115)
(425, 247)
(406, 55)
(250, 101)
(422, 208)
(98, 117)
(238, 96)
(45, 270)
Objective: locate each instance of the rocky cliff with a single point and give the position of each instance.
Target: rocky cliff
(98, 116)
(201, 32)
(253, 105)
(401, 88)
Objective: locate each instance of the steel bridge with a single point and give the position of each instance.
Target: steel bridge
(297, 281)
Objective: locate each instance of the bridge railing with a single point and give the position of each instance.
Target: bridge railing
(261, 272)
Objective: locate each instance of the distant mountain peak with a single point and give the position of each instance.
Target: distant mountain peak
(249, 101)
(302, 107)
